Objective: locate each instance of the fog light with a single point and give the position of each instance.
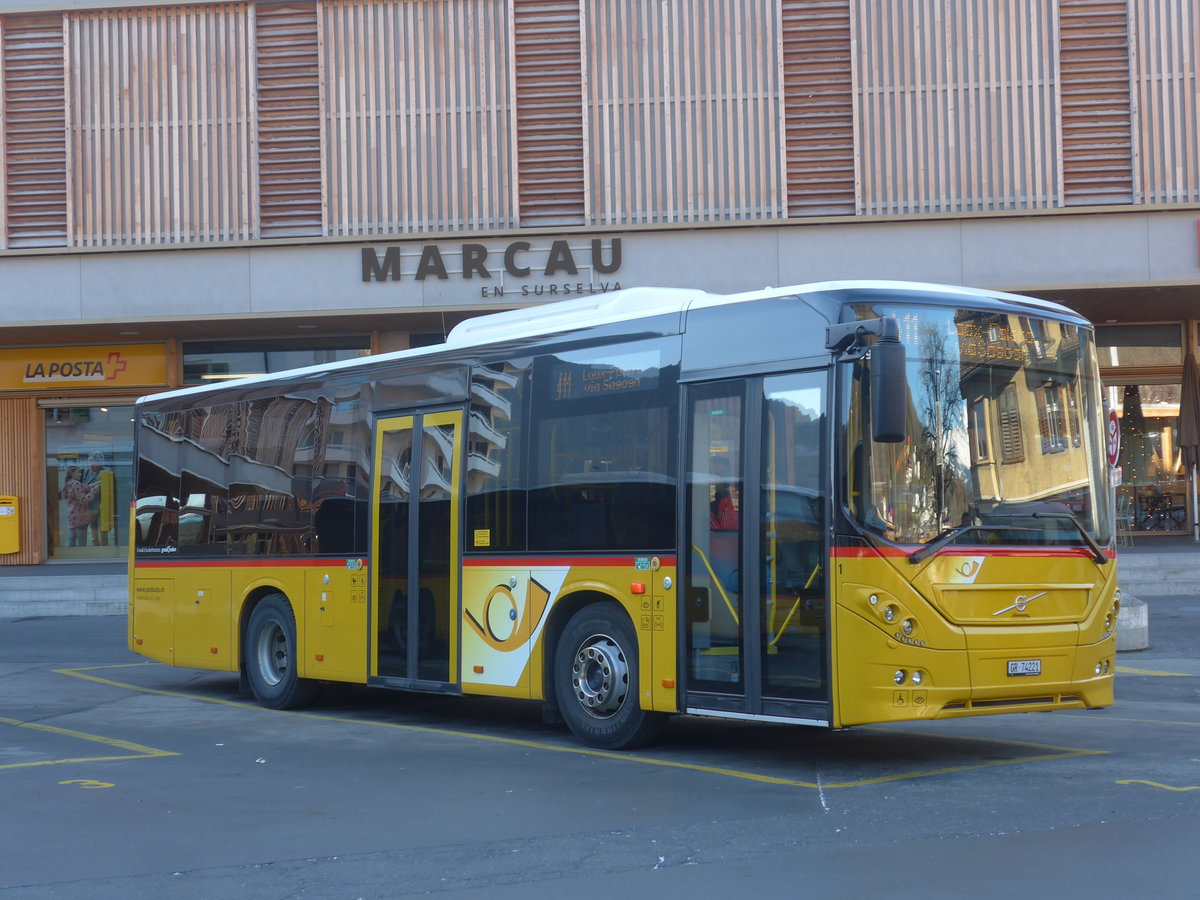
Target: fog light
(889, 614)
(908, 626)
(899, 676)
(874, 599)
(917, 678)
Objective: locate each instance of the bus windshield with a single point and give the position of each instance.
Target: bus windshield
(1003, 435)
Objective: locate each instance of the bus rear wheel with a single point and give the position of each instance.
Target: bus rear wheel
(596, 680)
(270, 656)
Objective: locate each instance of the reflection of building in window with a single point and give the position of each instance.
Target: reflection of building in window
(495, 488)
(1035, 338)
(979, 430)
(1012, 448)
(1051, 414)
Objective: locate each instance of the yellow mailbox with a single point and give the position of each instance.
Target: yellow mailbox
(10, 525)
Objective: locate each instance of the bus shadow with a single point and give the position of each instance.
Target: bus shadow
(789, 754)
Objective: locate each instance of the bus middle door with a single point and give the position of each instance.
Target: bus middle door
(417, 550)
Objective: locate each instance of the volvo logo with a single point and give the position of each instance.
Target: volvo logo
(1019, 604)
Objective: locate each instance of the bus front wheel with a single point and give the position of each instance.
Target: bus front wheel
(596, 680)
(270, 654)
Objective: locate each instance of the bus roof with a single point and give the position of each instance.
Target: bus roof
(629, 304)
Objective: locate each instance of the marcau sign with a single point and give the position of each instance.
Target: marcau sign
(564, 263)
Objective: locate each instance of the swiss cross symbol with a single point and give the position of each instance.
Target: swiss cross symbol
(116, 365)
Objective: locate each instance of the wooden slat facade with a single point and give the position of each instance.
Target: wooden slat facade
(161, 125)
(956, 106)
(33, 113)
(417, 116)
(288, 69)
(144, 126)
(23, 475)
(818, 104)
(683, 110)
(1096, 116)
(1166, 42)
(548, 79)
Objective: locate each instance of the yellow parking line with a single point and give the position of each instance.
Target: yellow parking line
(135, 751)
(1108, 718)
(1165, 787)
(1125, 670)
(1052, 754)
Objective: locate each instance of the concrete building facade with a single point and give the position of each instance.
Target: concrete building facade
(198, 191)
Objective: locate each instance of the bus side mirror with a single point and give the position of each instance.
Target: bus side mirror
(889, 391)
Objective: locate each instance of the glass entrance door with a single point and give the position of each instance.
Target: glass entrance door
(417, 548)
(1153, 494)
(756, 635)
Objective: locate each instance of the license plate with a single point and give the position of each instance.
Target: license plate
(1024, 667)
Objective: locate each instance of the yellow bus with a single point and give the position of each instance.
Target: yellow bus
(831, 504)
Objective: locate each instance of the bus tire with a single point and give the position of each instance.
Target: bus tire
(596, 680)
(271, 656)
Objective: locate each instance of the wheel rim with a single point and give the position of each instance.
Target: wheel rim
(600, 676)
(273, 657)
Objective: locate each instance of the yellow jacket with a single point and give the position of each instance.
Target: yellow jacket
(107, 500)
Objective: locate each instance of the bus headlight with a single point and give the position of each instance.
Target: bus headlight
(899, 676)
(1099, 668)
(917, 677)
(908, 626)
(1108, 623)
(889, 614)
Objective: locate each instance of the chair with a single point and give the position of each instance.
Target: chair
(1124, 522)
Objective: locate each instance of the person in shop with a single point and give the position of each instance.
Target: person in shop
(724, 512)
(79, 497)
(101, 503)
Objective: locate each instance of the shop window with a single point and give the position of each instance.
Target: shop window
(1153, 486)
(1139, 345)
(206, 361)
(89, 465)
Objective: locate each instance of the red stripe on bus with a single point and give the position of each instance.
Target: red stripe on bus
(965, 550)
(525, 561)
(542, 561)
(181, 562)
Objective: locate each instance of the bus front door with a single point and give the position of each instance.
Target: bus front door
(416, 550)
(755, 606)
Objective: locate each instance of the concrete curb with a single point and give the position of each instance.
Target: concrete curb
(82, 594)
(25, 609)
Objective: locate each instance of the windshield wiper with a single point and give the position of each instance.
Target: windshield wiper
(1097, 551)
(948, 537)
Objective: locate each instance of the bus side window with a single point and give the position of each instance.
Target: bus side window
(156, 496)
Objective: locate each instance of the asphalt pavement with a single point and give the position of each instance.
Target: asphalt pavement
(124, 778)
